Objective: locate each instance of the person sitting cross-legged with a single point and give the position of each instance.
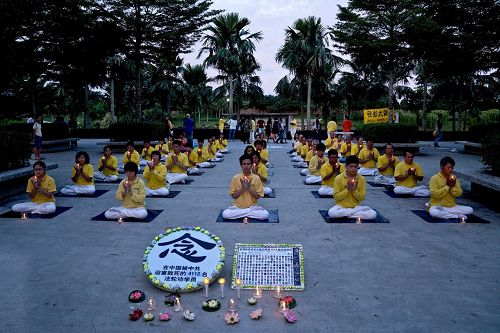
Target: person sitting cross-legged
(212, 151)
(264, 153)
(155, 175)
(260, 170)
(315, 164)
(345, 149)
(177, 165)
(202, 155)
(310, 154)
(445, 188)
(246, 188)
(221, 144)
(298, 149)
(162, 147)
(386, 164)
(305, 153)
(407, 173)
(349, 191)
(41, 188)
(330, 141)
(82, 174)
(368, 157)
(131, 155)
(132, 194)
(146, 153)
(107, 168)
(329, 171)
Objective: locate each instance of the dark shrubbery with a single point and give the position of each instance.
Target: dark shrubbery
(15, 148)
(490, 146)
(393, 133)
(135, 131)
(50, 131)
(477, 132)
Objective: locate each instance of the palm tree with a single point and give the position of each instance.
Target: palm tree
(195, 88)
(230, 47)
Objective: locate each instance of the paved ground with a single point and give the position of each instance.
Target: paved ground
(70, 274)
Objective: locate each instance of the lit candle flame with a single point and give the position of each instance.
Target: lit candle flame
(206, 281)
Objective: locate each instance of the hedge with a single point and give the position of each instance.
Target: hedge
(389, 133)
(490, 146)
(15, 148)
(135, 131)
(50, 131)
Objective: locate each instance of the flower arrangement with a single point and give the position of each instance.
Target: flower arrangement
(170, 298)
(149, 316)
(136, 296)
(135, 315)
(232, 318)
(252, 301)
(256, 314)
(290, 316)
(164, 316)
(188, 315)
(289, 300)
(211, 305)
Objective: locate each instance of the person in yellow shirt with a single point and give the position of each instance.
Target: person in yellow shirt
(315, 164)
(332, 125)
(82, 174)
(407, 173)
(329, 171)
(386, 164)
(356, 149)
(312, 152)
(193, 160)
(162, 147)
(146, 153)
(212, 151)
(107, 168)
(303, 153)
(246, 188)
(260, 170)
(445, 188)
(132, 194)
(296, 143)
(131, 155)
(222, 121)
(330, 141)
(298, 152)
(368, 157)
(202, 155)
(349, 191)
(155, 174)
(345, 149)
(293, 126)
(41, 188)
(177, 165)
(264, 153)
(221, 144)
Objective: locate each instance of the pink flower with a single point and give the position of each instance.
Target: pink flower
(290, 316)
(232, 318)
(164, 316)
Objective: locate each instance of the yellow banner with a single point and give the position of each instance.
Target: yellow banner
(373, 116)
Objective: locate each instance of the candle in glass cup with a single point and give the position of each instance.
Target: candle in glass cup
(206, 282)
(231, 305)
(258, 292)
(177, 305)
(283, 306)
(222, 281)
(358, 220)
(24, 216)
(277, 293)
(238, 283)
(120, 220)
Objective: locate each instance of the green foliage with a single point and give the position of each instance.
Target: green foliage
(154, 114)
(124, 131)
(490, 146)
(433, 116)
(491, 116)
(407, 118)
(15, 148)
(107, 121)
(394, 133)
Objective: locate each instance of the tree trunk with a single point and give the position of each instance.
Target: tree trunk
(231, 96)
(112, 96)
(86, 108)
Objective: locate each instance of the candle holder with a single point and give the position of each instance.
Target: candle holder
(120, 220)
(277, 293)
(24, 216)
(358, 220)
(151, 304)
(177, 305)
(246, 220)
(258, 292)
(206, 282)
(238, 283)
(283, 306)
(222, 281)
(462, 220)
(231, 305)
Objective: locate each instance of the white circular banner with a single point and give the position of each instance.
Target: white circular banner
(179, 259)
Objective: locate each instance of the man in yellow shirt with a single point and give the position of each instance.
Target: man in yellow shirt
(131, 155)
(386, 164)
(155, 174)
(349, 191)
(41, 188)
(82, 174)
(332, 125)
(345, 149)
(315, 164)
(177, 165)
(132, 194)
(293, 126)
(445, 188)
(146, 153)
(306, 148)
(107, 168)
(264, 153)
(212, 151)
(296, 145)
(221, 144)
(356, 149)
(329, 171)
(368, 157)
(222, 121)
(312, 152)
(202, 155)
(162, 147)
(407, 173)
(260, 170)
(298, 153)
(330, 141)
(245, 189)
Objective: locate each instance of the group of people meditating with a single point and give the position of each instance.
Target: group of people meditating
(339, 165)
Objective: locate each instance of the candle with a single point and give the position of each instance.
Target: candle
(103, 158)
(206, 282)
(120, 220)
(222, 281)
(258, 292)
(177, 305)
(231, 305)
(358, 220)
(283, 306)
(245, 179)
(452, 177)
(24, 216)
(151, 304)
(238, 286)
(245, 220)
(277, 293)
(462, 220)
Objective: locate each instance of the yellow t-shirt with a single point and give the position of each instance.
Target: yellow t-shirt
(134, 157)
(293, 123)
(297, 146)
(402, 169)
(112, 162)
(183, 160)
(345, 198)
(313, 164)
(211, 150)
(303, 150)
(205, 155)
(383, 160)
(221, 124)
(136, 197)
(365, 153)
(162, 149)
(442, 194)
(88, 170)
(156, 178)
(262, 170)
(355, 149)
(309, 155)
(344, 151)
(192, 158)
(48, 184)
(331, 126)
(146, 153)
(246, 200)
(325, 170)
(221, 144)
(329, 142)
(264, 155)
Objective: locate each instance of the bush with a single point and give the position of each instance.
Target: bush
(382, 133)
(106, 121)
(485, 117)
(476, 133)
(433, 116)
(407, 118)
(490, 146)
(135, 131)
(50, 131)
(15, 148)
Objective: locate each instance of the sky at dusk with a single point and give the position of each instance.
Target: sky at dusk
(272, 18)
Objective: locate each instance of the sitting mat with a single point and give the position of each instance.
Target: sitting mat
(380, 185)
(96, 194)
(304, 181)
(14, 215)
(171, 194)
(152, 214)
(272, 195)
(394, 195)
(317, 195)
(427, 218)
(379, 219)
(273, 218)
(188, 181)
(118, 181)
(199, 173)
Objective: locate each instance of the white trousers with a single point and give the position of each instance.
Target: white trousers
(224, 151)
(384, 180)
(305, 172)
(99, 176)
(365, 212)
(325, 190)
(215, 159)
(163, 158)
(122, 166)
(254, 212)
(292, 132)
(204, 165)
(267, 190)
(313, 180)
(115, 212)
(294, 154)
(78, 190)
(368, 171)
(162, 191)
(417, 191)
(297, 158)
(302, 165)
(174, 178)
(35, 208)
(450, 212)
(143, 162)
(219, 154)
(193, 171)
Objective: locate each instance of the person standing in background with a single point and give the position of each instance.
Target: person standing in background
(188, 128)
(37, 137)
(233, 123)
(439, 127)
